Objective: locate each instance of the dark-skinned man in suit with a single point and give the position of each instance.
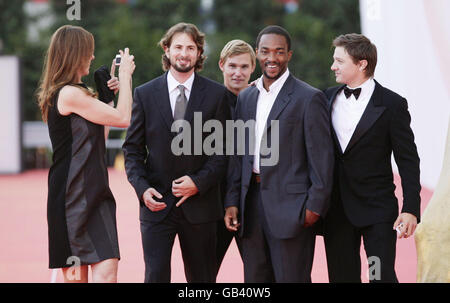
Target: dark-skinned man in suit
(274, 204)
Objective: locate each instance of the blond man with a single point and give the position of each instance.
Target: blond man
(237, 63)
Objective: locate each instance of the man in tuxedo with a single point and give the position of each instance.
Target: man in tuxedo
(237, 62)
(179, 194)
(275, 203)
(369, 123)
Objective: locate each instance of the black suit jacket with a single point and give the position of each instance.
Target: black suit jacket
(302, 178)
(150, 162)
(232, 100)
(363, 172)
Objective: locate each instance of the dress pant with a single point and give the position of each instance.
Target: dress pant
(224, 238)
(343, 244)
(197, 243)
(268, 259)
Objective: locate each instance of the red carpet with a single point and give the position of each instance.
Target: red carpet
(23, 236)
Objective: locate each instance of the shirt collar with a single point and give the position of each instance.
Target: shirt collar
(366, 87)
(276, 86)
(172, 83)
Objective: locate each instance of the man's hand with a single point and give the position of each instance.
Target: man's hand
(231, 221)
(183, 187)
(310, 218)
(409, 225)
(150, 202)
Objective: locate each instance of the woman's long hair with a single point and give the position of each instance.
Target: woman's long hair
(70, 49)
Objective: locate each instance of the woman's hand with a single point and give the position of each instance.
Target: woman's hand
(113, 83)
(127, 65)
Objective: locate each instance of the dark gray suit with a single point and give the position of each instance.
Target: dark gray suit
(276, 246)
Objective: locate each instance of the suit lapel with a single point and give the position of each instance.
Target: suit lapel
(371, 114)
(195, 99)
(281, 101)
(333, 97)
(330, 110)
(194, 103)
(252, 104)
(163, 101)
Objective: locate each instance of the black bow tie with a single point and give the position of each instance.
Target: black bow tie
(348, 92)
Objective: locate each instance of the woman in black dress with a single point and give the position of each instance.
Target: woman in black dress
(81, 208)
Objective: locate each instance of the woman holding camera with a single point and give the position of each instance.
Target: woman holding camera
(80, 207)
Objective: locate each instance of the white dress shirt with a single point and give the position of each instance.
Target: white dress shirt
(174, 92)
(266, 99)
(346, 113)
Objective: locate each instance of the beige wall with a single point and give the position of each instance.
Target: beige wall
(413, 41)
(10, 152)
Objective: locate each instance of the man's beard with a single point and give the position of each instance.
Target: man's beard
(281, 72)
(274, 77)
(181, 69)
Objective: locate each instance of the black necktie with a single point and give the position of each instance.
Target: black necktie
(348, 92)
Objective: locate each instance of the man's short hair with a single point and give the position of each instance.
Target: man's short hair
(359, 48)
(277, 30)
(191, 30)
(237, 47)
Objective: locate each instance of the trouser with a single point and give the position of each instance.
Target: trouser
(224, 238)
(197, 243)
(269, 259)
(343, 244)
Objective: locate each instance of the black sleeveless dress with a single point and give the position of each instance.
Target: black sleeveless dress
(81, 210)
